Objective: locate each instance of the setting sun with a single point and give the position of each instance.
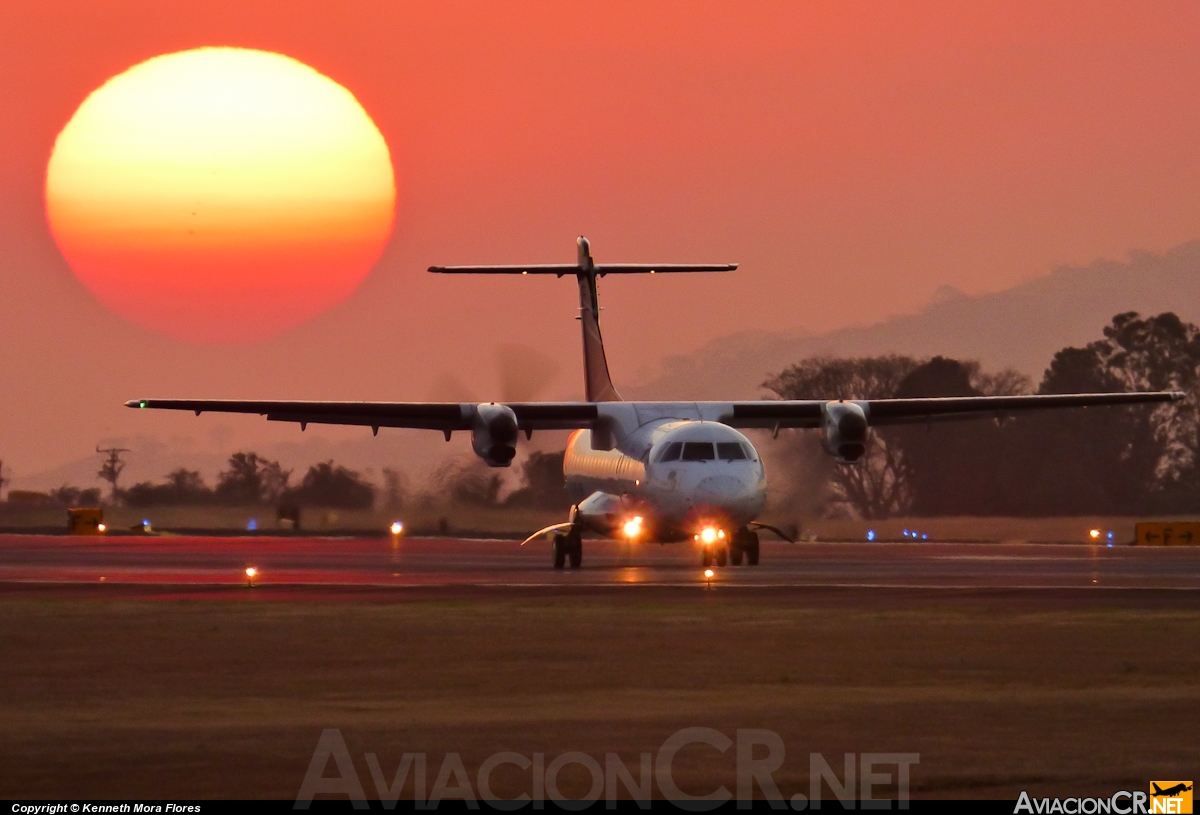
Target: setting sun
(221, 194)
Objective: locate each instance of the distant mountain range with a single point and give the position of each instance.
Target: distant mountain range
(1019, 328)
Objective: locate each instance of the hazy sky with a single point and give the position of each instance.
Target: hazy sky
(852, 157)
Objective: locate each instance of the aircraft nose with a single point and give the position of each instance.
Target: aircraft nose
(718, 486)
(738, 496)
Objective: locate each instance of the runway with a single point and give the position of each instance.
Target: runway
(417, 562)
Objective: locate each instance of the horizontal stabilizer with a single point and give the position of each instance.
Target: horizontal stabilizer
(559, 269)
(601, 269)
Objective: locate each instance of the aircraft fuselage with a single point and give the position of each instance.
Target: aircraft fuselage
(678, 476)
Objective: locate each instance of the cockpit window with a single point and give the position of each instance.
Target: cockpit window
(671, 451)
(698, 451)
(730, 451)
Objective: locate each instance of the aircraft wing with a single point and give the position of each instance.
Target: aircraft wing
(444, 416)
(879, 412)
(451, 416)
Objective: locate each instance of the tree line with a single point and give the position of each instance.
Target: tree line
(543, 485)
(1099, 460)
(250, 479)
(253, 480)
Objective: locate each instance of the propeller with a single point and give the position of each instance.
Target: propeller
(525, 372)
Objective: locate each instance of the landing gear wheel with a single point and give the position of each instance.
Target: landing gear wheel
(752, 548)
(706, 557)
(721, 556)
(560, 551)
(574, 548)
(735, 554)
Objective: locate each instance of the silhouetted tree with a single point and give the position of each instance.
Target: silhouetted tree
(182, 487)
(395, 488)
(251, 480)
(879, 485)
(465, 482)
(327, 485)
(954, 467)
(1112, 460)
(75, 497)
(543, 483)
(1117, 460)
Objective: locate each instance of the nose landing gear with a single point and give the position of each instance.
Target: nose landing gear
(711, 553)
(568, 548)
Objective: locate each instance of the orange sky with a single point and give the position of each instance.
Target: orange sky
(852, 157)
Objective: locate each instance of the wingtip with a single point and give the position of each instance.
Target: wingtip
(1178, 396)
(135, 403)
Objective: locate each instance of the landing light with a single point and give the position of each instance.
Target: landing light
(633, 527)
(708, 535)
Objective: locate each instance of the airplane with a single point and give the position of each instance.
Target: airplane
(649, 471)
(1170, 792)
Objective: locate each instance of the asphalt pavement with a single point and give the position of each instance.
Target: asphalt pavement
(187, 560)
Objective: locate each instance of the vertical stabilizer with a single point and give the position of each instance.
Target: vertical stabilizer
(598, 385)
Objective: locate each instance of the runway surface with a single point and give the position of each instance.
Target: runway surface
(411, 562)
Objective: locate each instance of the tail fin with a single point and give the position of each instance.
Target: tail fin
(597, 383)
(598, 386)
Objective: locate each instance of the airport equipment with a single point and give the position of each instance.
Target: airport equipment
(682, 470)
(85, 521)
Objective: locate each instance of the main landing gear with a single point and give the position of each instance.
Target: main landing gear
(568, 548)
(744, 545)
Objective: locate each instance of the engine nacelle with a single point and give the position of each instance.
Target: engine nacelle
(494, 434)
(844, 431)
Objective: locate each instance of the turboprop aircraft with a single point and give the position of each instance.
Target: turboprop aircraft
(649, 471)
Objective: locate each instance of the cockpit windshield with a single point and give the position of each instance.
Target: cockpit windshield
(671, 451)
(698, 451)
(730, 451)
(705, 451)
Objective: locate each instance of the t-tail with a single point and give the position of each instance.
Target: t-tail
(598, 384)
